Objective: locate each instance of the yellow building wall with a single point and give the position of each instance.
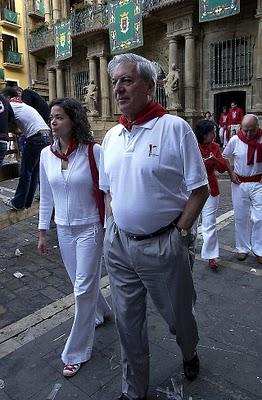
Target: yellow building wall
(12, 73)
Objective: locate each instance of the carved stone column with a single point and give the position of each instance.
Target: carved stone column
(92, 70)
(47, 11)
(189, 73)
(52, 84)
(60, 84)
(56, 10)
(104, 82)
(173, 52)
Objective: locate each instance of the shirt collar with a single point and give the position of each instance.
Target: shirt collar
(146, 125)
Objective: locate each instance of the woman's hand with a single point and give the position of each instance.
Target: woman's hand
(234, 178)
(42, 243)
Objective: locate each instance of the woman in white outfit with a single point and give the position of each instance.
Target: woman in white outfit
(66, 184)
(205, 133)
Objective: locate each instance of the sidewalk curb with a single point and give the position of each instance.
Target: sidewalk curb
(11, 217)
(27, 329)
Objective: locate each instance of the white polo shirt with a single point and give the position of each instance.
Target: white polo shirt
(148, 172)
(236, 150)
(28, 119)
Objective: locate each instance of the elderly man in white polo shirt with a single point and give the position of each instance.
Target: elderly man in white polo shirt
(150, 161)
(245, 149)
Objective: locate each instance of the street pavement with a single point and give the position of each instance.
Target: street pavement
(36, 315)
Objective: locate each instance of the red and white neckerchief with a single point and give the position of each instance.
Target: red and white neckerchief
(56, 150)
(15, 100)
(152, 110)
(253, 145)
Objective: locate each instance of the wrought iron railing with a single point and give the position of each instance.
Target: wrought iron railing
(89, 18)
(148, 5)
(39, 7)
(86, 19)
(2, 74)
(9, 15)
(40, 38)
(13, 57)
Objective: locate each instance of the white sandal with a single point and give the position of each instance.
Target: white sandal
(71, 369)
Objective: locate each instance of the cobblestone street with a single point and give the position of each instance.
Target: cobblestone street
(36, 314)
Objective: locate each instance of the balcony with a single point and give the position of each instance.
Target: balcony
(10, 19)
(37, 11)
(41, 38)
(12, 59)
(2, 74)
(87, 19)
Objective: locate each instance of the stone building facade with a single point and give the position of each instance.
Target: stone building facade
(13, 52)
(219, 61)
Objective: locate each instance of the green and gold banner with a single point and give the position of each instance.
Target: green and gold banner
(215, 9)
(63, 40)
(125, 25)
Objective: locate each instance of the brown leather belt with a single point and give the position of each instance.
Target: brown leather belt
(153, 234)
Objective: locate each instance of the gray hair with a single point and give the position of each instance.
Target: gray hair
(145, 68)
(255, 117)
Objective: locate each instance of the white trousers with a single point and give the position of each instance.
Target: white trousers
(247, 203)
(81, 250)
(223, 136)
(210, 248)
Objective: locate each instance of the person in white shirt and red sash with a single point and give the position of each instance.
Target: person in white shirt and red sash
(150, 161)
(223, 126)
(212, 157)
(69, 183)
(245, 149)
(235, 116)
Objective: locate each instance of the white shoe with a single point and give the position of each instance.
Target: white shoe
(71, 369)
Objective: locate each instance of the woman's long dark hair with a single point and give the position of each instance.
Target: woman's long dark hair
(81, 130)
(203, 127)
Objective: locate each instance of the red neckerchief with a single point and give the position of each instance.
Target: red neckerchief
(205, 149)
(152, 110)
(253, 145)
(64, 156)
(15, 100)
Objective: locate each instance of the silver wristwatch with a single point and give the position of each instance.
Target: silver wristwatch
(183, 232)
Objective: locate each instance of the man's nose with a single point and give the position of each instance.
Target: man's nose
(118, 86)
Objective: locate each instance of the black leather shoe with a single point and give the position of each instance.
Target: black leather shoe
(123, 397)
(191, 368)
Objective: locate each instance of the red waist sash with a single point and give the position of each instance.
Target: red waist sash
(254, 178)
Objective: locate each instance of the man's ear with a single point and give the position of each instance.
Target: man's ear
(151, 88)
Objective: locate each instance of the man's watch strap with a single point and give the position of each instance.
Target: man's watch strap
(183, 232)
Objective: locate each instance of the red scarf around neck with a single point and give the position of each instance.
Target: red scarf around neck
(64, 156)
(15, 100)
(253, 145)
(152, 110)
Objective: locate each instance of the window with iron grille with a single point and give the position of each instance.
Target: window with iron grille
(230, 62)
(80, 80)
(9, 4)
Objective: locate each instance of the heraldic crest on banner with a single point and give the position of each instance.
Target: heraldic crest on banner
(215, 9)
(125, 25)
